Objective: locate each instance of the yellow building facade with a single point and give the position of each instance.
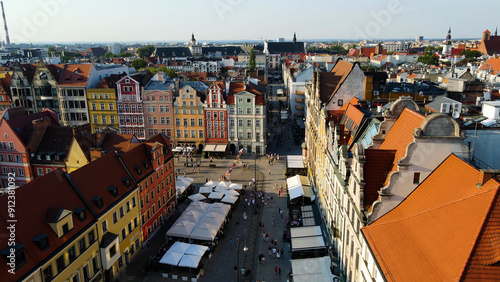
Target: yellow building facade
(102, 109)
(120, 234)
(189, 118)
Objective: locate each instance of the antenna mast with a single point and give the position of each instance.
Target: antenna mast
(5, 25)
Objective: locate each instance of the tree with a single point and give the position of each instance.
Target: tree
(471, 55)
(433, 49)
(125, 54)
(51, 49)
(339, 49)
(109, 55)
(139, 64)
(145, 51)
(428, 59)
(251, 63)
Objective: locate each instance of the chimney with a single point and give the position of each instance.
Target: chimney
(38, 123)
(484, 175)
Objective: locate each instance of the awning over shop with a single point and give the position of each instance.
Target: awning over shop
(182, 183)
(312, 269)
(299, 186)
(215, 148)
(305, 231)
(307, 243)
(294, 161)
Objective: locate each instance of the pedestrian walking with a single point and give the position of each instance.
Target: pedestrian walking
(231, 244)
(269, 171)
(281, 213)
(272, 220)
(276, 270)
(282, 252)
(245, 216)
(279, 272)
(235, 270)
(278, 255)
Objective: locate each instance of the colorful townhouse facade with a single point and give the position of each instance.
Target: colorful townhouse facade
(158, 108)
(246, 118)
(215, 113)
(103, 110)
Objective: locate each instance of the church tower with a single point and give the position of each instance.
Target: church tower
(447, 44)
(294, 38)
(194, 47)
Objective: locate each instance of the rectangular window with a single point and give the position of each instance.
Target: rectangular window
(240, 122)
(249, 122)
(416, 178)
(240, 110)
(104, 226)
(193, 133)
(200, 133)
(249, 110)
(193, 122)
(249, 134)
(115, 218)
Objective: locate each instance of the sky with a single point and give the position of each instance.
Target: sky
(64, 21)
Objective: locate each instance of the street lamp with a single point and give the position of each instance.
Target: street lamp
(245, 248)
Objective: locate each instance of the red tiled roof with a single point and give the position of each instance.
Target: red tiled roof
(492, 64)
(23, 125)
(445, 230)
(119, 142)
(34, 202)
(353, 114)
(377, 165)
(136, 157)
(341, 69)
(400, 135)
(238, 87)
(75, 75)
(95, 178)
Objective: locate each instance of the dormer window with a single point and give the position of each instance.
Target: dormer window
(126, 181)
(113, 190)
(97, 202)
(39, 157)
(42, 241)
(20, 258)
(47, 157)
(138, 169)
(80, 213)
(145, 164)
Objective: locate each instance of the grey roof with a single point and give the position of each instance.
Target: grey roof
(172, 52)
(158, 85)
(198, 85)
(436, 104)
(225, 50)
(285, 47)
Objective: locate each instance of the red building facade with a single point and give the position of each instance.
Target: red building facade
(215, 110)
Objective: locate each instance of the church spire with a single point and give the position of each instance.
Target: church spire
(294, 38)
(496, 31)
(448, 37)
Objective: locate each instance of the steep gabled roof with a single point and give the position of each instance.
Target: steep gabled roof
(23, 125)
(75, 75)
(138, 156)
(492, 65)
(34, 202)
(56, 139)
(240, 87)
(400, 135)
(119, 142)
(443, 231)
(106, 171)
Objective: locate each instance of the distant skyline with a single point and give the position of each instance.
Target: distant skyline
(62, 21)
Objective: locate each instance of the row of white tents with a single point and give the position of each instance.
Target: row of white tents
(200, 221)
(184, 255)
(223, 191)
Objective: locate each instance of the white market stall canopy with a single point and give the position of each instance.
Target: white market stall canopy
(229, 199)
(197, 197)
(231, 193)
(235, 186)
(296, 232)
(200, 221)
(312, 269)
(216, 195)
(222, 186)
(211, 183)
(299, 186)
(184, 255)
(206, 190)
(182, 183)
(294, 161)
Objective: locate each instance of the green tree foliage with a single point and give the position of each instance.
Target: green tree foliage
(145, 51)
(370, 68)
(428, 59)
(433, 49)
(125, 55)
(139, 64)
(251, 63)
(471, 55)
(109, 55)
(339, 49)
(170, 72)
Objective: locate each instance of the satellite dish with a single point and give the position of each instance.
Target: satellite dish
(455, 115)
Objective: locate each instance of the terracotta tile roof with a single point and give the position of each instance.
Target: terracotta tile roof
(137, 157)
(56, 71)
(443, 231)
(23, 125)
(492, 64)
(119, 142)
(165, 141)
(75, 75)
(95, 178)
(377, 165)
(238, 87)
(352, 120)
(34, 202)
(56, 140)
(400, 135)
